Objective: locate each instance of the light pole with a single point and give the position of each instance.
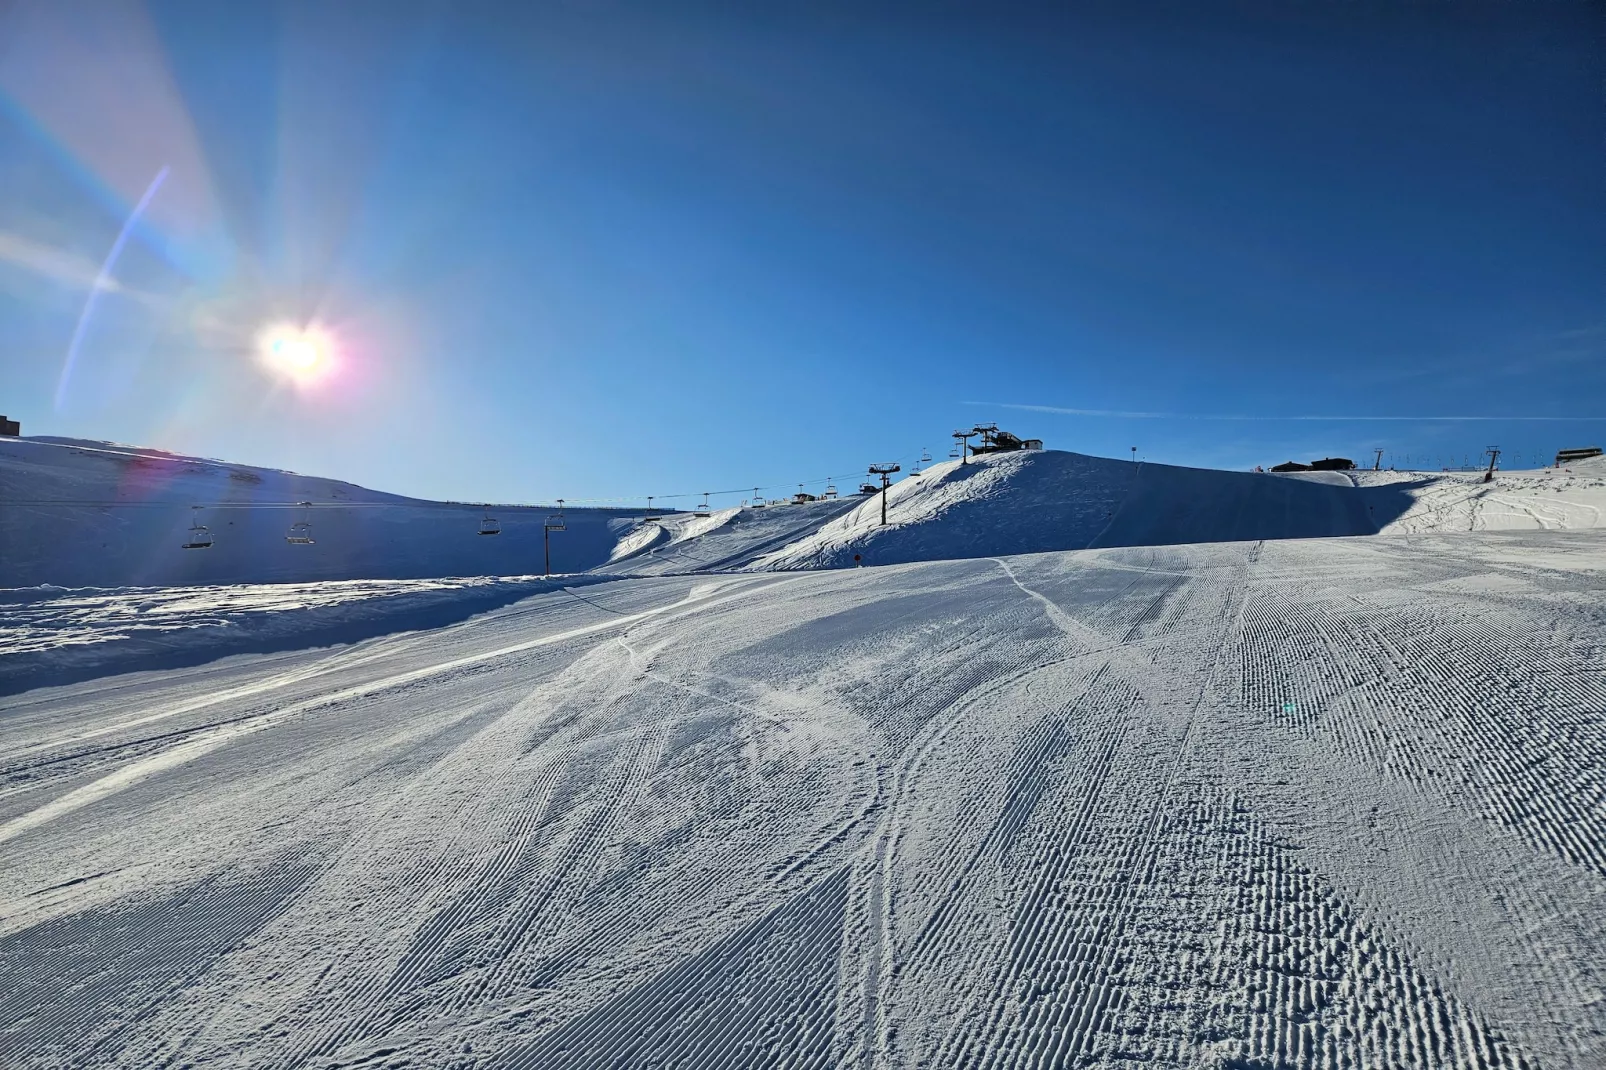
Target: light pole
(885, 472)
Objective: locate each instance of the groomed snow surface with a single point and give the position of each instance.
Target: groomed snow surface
(1321, 803)
(1252, 800)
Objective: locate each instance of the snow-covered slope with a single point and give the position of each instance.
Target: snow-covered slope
(1320, 804)
(726, 541)
(77, 514)
(94, 514)
(1548, 499)
(1031, 502)
(51, 636)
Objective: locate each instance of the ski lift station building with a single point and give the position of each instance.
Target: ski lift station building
(995, 441)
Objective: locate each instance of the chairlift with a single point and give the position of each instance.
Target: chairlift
(925, 455)
(300, 533)
(199, 537)
(758, 501)
(830, 491)
(489, 525)
(555, 523)
(703, 509)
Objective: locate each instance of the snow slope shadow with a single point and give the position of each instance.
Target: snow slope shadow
(88, 514)
(763, 996)
(72, 980)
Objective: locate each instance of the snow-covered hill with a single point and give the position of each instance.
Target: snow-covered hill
(1035, 502)
(1032, 502)
(77, 514)
(1547, 499)
(95, 514)
(728, 540)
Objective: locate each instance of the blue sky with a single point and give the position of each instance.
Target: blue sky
(600, 250)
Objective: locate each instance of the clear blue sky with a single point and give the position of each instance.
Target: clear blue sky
(599, 249)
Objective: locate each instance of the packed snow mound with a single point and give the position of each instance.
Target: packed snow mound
(1038, 501)
(97, 514)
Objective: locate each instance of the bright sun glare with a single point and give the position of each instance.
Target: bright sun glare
(304, 354)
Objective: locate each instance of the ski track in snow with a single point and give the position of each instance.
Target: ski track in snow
(1326, 803)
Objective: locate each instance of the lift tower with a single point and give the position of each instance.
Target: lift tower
(885, 472)
(964, 438)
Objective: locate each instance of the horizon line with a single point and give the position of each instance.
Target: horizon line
(1137, 415)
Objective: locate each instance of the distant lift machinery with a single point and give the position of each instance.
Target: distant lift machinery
(199, 537)
(300, 533)
(489, 525)
(885, 471)
(548, 526)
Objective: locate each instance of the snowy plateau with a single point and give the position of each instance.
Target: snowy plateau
(1089, 764)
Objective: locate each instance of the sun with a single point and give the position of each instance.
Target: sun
(302, 354)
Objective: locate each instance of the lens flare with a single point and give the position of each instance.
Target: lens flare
(301, 354)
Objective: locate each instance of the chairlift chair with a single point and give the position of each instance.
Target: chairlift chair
(300, 533)
(199, 537)
(830, 491)
(703, 510)
(489, 525)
